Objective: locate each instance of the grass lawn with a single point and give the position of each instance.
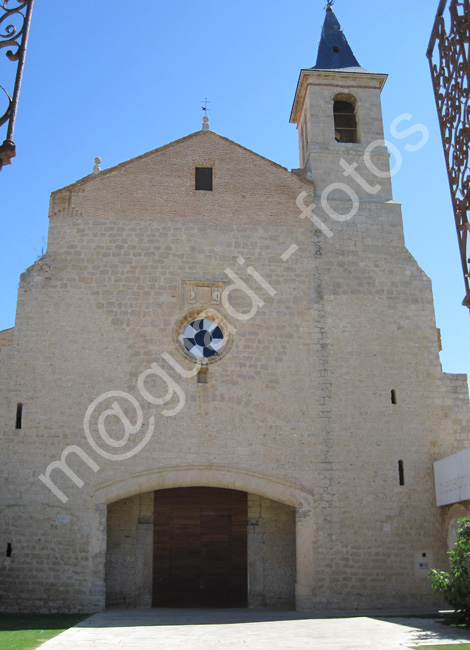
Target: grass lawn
(28, 631)
(462, 646)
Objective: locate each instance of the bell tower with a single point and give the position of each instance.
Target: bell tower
(338, 112)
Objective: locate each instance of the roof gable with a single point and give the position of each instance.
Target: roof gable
(160, 186)
(170, 145)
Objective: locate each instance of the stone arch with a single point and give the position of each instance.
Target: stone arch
(456, 512)
(189, 476)
(345, 97)
(263, 485)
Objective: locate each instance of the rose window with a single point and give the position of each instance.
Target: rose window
(203, 338)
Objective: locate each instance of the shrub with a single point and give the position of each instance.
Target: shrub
(455, 586)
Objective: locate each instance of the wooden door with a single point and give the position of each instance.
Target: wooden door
(200, 548)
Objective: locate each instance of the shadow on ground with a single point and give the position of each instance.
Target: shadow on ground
(431, 628)
(169, 617)
(16, 622)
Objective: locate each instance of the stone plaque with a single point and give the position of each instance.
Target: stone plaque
(201, 292)
(203, 295)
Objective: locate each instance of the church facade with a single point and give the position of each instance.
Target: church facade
(223, 386)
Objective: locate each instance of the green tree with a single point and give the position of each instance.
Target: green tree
(455, 586)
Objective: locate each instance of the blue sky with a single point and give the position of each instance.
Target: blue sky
(114, 79)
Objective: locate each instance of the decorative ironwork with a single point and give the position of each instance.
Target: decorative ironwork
(15, 20)
(449, 59)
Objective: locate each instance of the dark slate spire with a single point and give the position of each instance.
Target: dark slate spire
(334, 52)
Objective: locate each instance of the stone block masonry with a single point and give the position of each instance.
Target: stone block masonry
(299, 412)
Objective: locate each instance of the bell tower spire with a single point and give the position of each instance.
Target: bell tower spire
(334, 51)
(338, 112)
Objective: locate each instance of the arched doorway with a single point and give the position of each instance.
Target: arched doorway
(147, 543)
(280, 534)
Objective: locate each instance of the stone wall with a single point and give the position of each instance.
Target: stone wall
(6, 337)
(129, 552)
(301, 403)
(271, 553)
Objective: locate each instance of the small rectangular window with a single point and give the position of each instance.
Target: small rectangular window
(204, 178)
(401, 472)
(19, 416)
(202, 375)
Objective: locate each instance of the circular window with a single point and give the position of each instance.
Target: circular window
(203, 335)
(203, 338)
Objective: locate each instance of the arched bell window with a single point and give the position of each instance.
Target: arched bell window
(344, 111)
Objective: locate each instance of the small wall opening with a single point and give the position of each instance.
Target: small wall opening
(9, 550)
(19, 416)
(344, 111)
(401, 472)
(202, 375)
(394, 396)
(204, 179)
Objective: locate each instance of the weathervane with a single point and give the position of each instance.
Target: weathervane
(204, 108)
(329, 4)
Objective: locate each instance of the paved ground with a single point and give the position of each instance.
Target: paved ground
(176, 629)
